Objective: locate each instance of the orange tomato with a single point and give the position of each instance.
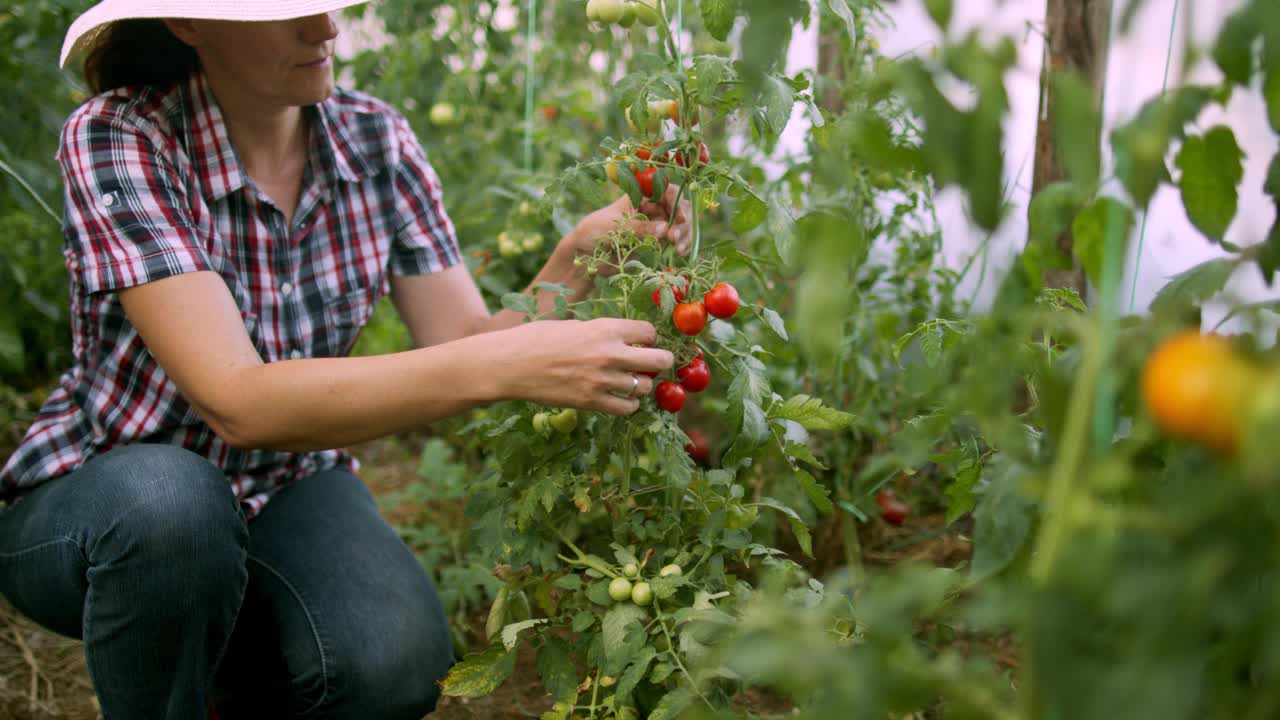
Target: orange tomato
(1198, 388)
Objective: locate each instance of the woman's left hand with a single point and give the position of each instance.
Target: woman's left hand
(664, 220)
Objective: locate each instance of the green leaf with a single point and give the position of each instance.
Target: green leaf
(842, 11)
(755, 428)
(556, 668)
(1193, 287)
(1089, 235)
(627, 181)
(672, 704)
(568, 582)
(812, 414)
(818, 494)
(960, 492)
(1234, 49)
(940, 11)
(801, 452)
(520, 302)
(803, 537)
(774, 320)
(1002, 520)
(751, 212)
(718, 17)
(616, 621)
(1077, 127)
(1269, 257)
(1051, 212)
(479, 674)
(633, 675)
(1212, 168)
(1140, 145)
(782, 227)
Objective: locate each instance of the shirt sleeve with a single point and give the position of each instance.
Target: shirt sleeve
(425, 240)
(127, 220)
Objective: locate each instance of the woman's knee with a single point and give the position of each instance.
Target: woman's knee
(167, 505)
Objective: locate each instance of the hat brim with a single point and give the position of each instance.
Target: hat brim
(86, 28)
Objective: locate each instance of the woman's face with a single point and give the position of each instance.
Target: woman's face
(281, 62)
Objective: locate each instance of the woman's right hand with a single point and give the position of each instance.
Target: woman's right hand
(591, 365)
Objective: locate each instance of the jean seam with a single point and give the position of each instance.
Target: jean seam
(38, 546)
(315, 632)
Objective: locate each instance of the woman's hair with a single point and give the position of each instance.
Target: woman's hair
(138, 52)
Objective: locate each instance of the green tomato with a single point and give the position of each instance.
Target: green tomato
(507, 247)
(641, 594)
(620, 589)
(443, 114)
(741, 517)
(542, 423)
(631, 570)
(531, 242)
(647, 12)
(671, 570)
(605, 11)
(628, 16)
(565, 421)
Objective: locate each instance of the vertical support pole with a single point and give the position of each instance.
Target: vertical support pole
(1076, 33)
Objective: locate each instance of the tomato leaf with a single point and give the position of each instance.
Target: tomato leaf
(556, 669)
(1269, 257)
(479, 674)
(672, 705)
(818, 494)
(960, 491)
(775, 323)
(634, 674)
(940, 12)
(1234, 49)
(718, 17)
(803, 536)
(812, 414)
(1212, 168)
(1089, 235)
(1002, 520)
(521, 303)
(1141, 144)
(617, 621)
(841, 10)
(1194, 287)
(750, 213)
(1077, 127)
(782, 227)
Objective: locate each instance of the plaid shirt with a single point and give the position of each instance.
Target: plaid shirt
(154, 188)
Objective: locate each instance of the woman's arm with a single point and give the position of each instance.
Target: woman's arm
(191, 325)
(447, 305)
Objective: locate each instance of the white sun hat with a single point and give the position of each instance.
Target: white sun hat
(98, 18)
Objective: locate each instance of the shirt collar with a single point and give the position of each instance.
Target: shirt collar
(218, 165)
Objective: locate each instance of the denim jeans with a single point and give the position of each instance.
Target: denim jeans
(316, 609)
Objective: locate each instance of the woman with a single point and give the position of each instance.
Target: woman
(231, 219)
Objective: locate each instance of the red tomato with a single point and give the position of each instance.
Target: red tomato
(644, 153)
(550, 111)
(670, 396)
(699, 447)
(690, 318)
(645, 178)
(704, 156)
(892, 510)
(696, 376)
(676, 290)
(722, 301)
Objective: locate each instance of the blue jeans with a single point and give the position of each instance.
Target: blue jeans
(314, 610)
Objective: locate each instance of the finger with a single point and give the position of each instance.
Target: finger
(635, 332)
(632, 385)
(647, 360)
(649, 229)
(614, 405)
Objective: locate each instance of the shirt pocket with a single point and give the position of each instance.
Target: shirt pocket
(345, 316)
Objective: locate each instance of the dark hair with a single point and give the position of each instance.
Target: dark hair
(138, 52)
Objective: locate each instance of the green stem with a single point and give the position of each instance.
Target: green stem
(627, 452)
(657, 608)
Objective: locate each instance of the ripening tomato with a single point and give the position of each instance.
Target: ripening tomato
(690, 318)
(696, 376)
(645, 178)
(644, 153)
(1197, 387)
(677, 290)
(699, 448)
(550, 111)
(722, 300)
(670, 396)
(704, 156)
(892, 510)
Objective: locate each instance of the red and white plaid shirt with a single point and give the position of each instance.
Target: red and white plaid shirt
(154, 188)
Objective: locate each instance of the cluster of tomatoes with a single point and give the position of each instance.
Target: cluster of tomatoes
(622, 588)
(609, 12)
(690, 318)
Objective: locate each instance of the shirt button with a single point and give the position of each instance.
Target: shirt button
(286, 288)
(108, 200)
(295, 355)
